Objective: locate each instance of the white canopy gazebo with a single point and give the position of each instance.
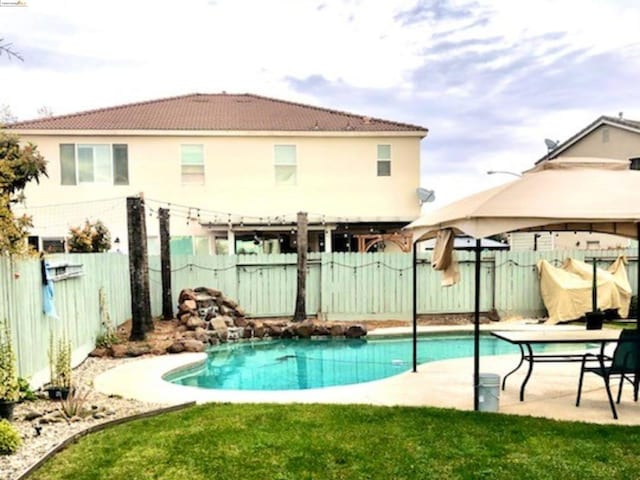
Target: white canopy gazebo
(564, 194)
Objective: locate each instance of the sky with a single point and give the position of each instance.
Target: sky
(490, 79)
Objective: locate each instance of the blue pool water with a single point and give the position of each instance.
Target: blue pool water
(300, 364)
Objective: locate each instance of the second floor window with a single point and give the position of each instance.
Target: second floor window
(94, 163)
(192, 164)
(384, 160)
(285, 164)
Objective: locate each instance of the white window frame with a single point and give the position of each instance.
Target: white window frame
(383, 161)
(194, 176)
(110, 178)
(278, 162)
(92, 146)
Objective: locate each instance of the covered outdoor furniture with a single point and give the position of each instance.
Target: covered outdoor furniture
(625, 363)
(567, 290)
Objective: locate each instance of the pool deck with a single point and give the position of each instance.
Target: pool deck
(550, 393)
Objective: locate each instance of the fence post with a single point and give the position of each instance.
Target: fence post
(141, 321)
(300, 311)
(165, 263)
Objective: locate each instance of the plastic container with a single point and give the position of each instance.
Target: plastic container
(488, 392)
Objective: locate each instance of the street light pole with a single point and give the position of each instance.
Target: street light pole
(493, 172)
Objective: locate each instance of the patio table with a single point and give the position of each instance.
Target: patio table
(525, 339)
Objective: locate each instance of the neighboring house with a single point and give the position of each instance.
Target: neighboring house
(232, 169)
(606, 137)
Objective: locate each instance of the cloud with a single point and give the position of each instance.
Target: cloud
(435, 10)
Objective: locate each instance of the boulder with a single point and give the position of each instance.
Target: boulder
(138, 350)
(194, 322)
(259, 331)
(337, 330)
(190, 304)
(186, 294)
(273, 330)
(176, 347)
(239, 312)
(321, 330)
(240, 322)
(193, 346)
(201, 335)
(303, 329)
(119, 351)
(229, 302)
(100, 352)
(355, 331)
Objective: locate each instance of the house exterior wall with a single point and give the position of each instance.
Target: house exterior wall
(605, 141)
(336, 177)
(608, 142)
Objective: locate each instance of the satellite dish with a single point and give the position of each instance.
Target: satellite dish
(551, 145)
(425, 196)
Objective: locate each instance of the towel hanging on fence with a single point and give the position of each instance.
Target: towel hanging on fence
(48, 307)
(444, 258)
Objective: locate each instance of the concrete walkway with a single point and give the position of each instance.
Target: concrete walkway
(550, 392)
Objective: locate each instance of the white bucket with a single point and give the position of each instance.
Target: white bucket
(488, 392)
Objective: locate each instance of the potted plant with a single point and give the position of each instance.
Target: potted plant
(594, 319)
(59, 368)
(9, 387)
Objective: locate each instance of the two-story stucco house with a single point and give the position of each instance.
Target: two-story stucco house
(606, 137)
(233, 170)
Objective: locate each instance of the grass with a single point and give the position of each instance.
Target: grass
(282, 442)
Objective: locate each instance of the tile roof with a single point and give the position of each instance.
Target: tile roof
(220, 112)
(602, 120)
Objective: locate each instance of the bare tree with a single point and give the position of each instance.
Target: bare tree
(45, 112)
(7, 49)
(6, 115)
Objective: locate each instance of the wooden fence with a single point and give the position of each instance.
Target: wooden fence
(339, 286)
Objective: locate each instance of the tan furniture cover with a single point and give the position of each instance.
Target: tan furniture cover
(566, 290)
(444, 258)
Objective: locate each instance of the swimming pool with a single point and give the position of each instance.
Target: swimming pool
(295, 364)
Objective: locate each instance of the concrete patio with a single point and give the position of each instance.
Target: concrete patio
(550, 393)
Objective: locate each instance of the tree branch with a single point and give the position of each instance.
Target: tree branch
(9, 52)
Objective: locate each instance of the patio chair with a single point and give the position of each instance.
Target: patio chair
(625, 362)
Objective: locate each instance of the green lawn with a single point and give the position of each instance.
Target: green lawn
(277, 442)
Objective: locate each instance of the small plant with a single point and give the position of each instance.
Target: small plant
(26, 394)
(9, 388)
(9, 438)
(60, 362)
(108, 337)
(74, 404)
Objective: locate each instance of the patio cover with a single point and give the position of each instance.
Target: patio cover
(564, 194)
(566, 290)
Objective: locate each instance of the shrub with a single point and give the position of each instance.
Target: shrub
(26, 394)
(9, 389)
(92, 237)
(9, 438)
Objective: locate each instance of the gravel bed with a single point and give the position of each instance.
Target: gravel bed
(35, 444)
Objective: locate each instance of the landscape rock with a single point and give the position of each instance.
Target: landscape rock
(193, 346)
(194, 322)
(176, 347)
(355, 331)
(336, 330)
